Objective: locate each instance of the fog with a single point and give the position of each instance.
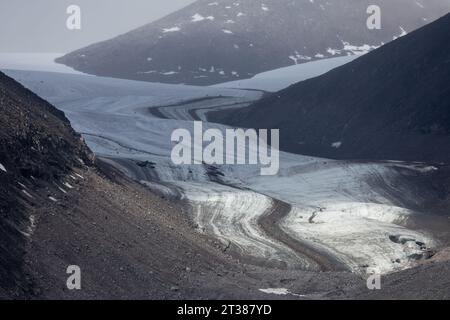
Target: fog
(40, 25)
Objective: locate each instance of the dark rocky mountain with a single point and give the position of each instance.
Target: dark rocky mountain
(213, 41)
(59, 206)
(393, 103)
(37, 147)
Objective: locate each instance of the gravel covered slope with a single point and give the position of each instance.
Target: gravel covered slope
(38, 147)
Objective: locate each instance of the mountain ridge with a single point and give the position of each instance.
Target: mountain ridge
(210, 42)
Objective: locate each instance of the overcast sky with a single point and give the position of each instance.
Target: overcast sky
(40, 25)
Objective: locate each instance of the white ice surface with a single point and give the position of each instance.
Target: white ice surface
(280, 292)
(334, 207)
(279, 79)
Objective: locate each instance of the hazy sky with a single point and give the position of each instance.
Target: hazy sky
(40, 25)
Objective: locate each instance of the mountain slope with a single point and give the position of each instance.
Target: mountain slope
(210, 41)
(37, 147)
(59, 208)
(393, 103)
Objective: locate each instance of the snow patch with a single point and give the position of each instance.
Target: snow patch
(68, 185)
(354, 49)
(2, 168)
(198, 17)
(277, 291)
(402, 33)
(280, 292)
(27, 194)
(31, 226)
(173, 29)
(297, 56)
(62, 190)
(147, 72)
(169, 73)
(333, 52)
(336, 145)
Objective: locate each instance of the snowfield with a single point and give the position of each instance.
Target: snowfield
(282, 78)
(341, 207)
(337, 209)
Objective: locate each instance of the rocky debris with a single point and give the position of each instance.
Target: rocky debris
(146, 164)
(39, 148)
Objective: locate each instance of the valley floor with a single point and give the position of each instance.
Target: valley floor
(133, 244)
